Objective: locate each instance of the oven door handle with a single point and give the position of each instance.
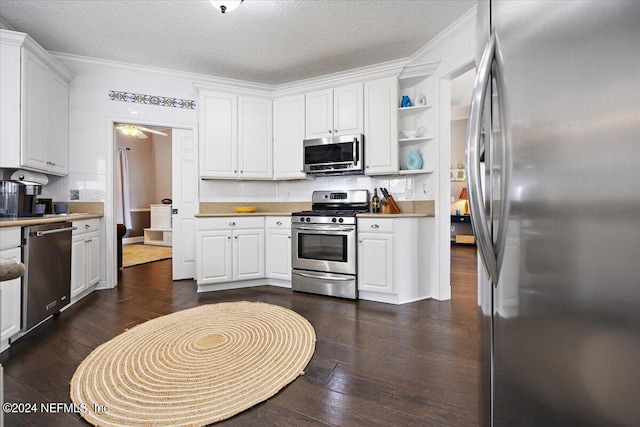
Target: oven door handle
(322, 229)
(324, 277)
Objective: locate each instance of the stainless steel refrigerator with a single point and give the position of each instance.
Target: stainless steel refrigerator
(553, 167)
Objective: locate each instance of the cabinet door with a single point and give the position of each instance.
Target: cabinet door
(78, 264)
(288, 134)
(375, 262)
(319, 113)
(255, 138)
(213, 252)
(381, 126)
(58, 124)
(93, 258)
(248, 254)
(218, 135)
(34, 112)
(278, 254)
(11, 301)
(348, 110)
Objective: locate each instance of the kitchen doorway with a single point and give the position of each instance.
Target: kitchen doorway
(143, 193)
(463, 256)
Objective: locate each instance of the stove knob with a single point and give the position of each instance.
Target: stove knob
(341, 220)
(302, 219)
(333, 220)
(308, 219)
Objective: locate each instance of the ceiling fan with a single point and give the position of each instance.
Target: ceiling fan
(133, 130)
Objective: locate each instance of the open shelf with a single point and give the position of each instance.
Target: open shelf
(413, 140)
(414, 108)
(415, 171)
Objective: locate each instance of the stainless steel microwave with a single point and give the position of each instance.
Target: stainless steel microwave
(338, 155)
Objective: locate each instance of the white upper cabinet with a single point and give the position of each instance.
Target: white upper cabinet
(218, 135)
(236, 136)
(255, 143)
(288, 134)
(381, 126)
(335, 112)
(34, 107)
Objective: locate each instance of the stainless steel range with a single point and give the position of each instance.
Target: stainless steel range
(323, 254)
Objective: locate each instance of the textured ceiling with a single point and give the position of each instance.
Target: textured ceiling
(262, 41)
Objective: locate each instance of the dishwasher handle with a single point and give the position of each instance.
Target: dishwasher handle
(55, 230)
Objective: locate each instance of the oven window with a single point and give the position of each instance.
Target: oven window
(329, 153)
(322, 247)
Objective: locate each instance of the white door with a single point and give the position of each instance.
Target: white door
(93, 258)
(78, 256)
(184, 191)
(278, 254)
(34, 111)
(11, 301)
(58, 124)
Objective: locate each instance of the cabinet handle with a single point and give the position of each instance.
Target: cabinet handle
(288, 237)
(235, 171)
(330, 131)
(228, 237)
(241, 171)
(235, 237)
(367, 167)
(359, 241)
(53, 163)
(87, 226)
(279, 223)
(335, 131)
(375, 226)
(232, 223)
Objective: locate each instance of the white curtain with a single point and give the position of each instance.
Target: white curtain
(123, 212)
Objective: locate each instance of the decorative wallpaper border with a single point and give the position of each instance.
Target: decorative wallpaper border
(161, 101)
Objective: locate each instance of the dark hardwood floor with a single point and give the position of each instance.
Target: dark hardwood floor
(374, 364)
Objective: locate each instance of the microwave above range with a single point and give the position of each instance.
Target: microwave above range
(338, 155)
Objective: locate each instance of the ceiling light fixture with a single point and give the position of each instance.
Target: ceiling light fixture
(226, 5)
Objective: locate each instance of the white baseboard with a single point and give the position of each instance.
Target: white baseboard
(130, 240)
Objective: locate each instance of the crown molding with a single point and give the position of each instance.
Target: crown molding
(4, 25)
(341, 78)
(19, 39)
(419, 70)
(459, 24)
(202, 79)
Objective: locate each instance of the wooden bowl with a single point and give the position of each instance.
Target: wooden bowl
(245, 209)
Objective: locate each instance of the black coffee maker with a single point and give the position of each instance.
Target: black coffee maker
(27, 195)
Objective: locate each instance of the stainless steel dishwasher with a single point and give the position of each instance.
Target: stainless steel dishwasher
(46, 284)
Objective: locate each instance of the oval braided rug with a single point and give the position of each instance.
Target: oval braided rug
(193, 367)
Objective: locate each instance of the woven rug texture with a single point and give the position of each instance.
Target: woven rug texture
(193, 367)
(137, 254)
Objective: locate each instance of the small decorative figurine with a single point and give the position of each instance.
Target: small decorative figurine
(406, 102)
(414, 160)
(421, 100)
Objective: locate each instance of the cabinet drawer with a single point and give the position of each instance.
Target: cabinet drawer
(375, 225)
(278, 222)
(10, 237)
(230, 223)
(86, 226)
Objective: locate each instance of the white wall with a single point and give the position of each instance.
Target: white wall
(161, 154)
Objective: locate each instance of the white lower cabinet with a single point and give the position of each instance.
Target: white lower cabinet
(375, 271)
(85, 256)
(10, 290)
(229, 249)
(278, 248)
(393, 259)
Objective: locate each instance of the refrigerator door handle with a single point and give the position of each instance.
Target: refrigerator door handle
(478, 214)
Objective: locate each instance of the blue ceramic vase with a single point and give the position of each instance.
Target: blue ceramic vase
(414, 160)
(406, 102)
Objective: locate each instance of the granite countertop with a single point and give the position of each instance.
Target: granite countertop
(398, 215)
(215, 215)
(27, 221)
